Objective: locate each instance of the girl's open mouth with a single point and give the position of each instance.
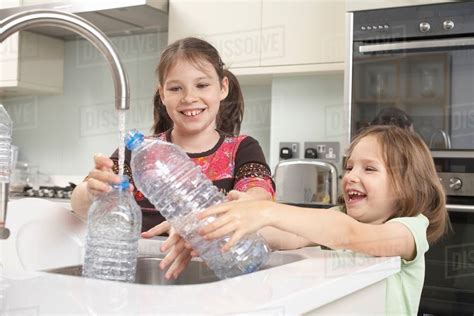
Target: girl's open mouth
(355, 195)
(191, 113)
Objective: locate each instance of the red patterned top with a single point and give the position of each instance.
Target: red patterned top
(234, 163)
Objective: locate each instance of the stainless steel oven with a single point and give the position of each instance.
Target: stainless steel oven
(449, 279)
(420, 59)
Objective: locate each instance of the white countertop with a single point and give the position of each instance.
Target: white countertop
(294, 288)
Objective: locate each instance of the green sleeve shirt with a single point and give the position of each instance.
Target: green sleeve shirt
(404, 288)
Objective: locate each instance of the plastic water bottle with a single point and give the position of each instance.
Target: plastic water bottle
(113, 228)
(179, 190)
(6, 126)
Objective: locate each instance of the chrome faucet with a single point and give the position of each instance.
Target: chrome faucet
(33, 18)
(446, 138)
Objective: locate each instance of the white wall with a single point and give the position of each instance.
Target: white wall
(257, 114)
(306, 108)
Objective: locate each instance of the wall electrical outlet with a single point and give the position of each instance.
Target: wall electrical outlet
(294, 148)
(325, 150)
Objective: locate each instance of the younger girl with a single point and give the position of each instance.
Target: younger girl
(199, 106)
(393, 206)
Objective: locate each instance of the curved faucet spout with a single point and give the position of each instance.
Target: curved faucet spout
(76, 24)
(28, 19)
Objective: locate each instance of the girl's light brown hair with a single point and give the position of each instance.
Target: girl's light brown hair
(413, 175)
(197, 51)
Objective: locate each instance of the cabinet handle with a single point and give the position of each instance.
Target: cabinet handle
(417, 45)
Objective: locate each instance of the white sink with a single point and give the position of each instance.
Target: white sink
(197, 272)
(48, 236)
(44, 235)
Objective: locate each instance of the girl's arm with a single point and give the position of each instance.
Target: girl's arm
(330, 228)
(277, 239)
(340, 231)
(81, 200)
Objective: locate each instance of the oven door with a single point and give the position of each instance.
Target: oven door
(449, 274)
(431, 80)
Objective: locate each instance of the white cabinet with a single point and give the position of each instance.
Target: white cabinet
(31, 64)
(355, 5)
(33, 2)
(9, 3)
(266, 36)
(311, 32)
(16, 3)
(233, 27)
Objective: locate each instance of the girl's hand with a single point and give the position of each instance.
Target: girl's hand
(255, 193)
(238, 218)
(100, 178)
(179, 251)
(235, 195)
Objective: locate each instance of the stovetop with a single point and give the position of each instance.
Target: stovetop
(50, 192)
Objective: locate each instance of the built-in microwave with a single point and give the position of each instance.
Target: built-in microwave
(419, 59)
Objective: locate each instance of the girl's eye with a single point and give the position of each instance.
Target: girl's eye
(348, 168)
(203, 85)
(370, 169)
(174, 89)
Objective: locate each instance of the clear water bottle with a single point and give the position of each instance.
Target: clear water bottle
(6, 126)
(113, 228)
(179, 190)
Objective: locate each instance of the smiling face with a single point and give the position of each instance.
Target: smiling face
(192, 95)
(368, 192)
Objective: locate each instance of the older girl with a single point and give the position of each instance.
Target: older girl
(394, 205)
(199, 106)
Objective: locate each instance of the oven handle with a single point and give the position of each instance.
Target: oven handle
(417, 45)
(460, 208)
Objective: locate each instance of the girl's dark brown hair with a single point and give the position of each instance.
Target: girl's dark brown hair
(413, 175)
(195, 51)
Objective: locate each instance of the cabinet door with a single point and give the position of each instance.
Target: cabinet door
(31, 63)
(16, 3)
(32, 2)
(355, 5)
(233, 27)
(9, 52)
(302, 32)
(9, 3)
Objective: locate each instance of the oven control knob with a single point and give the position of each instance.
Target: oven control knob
(455, 183)
(448, 25)
(424, 27)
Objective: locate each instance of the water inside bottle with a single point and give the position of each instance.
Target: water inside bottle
(121, 150)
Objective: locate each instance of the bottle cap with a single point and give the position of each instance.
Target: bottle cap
(124, 183)
(133, 139)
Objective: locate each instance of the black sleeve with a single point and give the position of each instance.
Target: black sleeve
(250, 161)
